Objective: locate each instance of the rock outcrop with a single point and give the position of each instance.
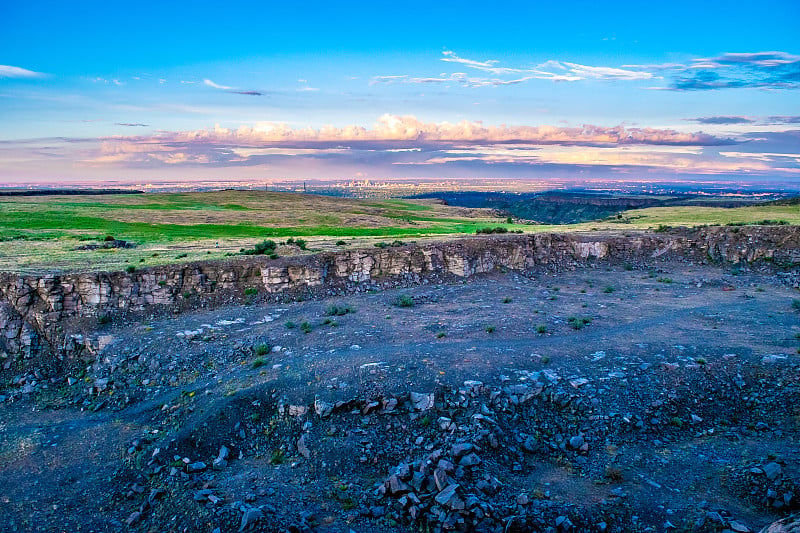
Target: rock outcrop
(55, 311)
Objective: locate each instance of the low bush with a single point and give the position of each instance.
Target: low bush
(338, 310)
(261, 349)
(579, 322)
(266, 247)
(489, 231)
(404, 300)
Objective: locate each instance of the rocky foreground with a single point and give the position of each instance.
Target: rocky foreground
(608, 396)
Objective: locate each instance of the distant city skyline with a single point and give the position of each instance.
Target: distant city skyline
(691, 91)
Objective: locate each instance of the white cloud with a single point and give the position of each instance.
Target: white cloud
(210, 83)
(549, 70)
(761, 156)
(583, 72)
(8, 71)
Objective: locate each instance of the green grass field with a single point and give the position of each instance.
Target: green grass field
(41, 233)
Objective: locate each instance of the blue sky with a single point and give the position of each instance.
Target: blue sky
(93, 91)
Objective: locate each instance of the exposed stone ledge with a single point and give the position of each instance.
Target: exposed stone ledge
(48, 310)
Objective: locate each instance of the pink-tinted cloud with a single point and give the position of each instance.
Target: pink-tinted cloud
(688, 161)
(408, 128)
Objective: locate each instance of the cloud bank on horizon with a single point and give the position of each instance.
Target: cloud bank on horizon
(616, 98)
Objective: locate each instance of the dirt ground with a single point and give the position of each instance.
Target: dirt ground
(601, 399)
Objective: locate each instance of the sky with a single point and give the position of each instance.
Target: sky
(108, 92)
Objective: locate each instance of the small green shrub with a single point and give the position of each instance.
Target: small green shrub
(341, 243)
(305, 327)
(162, 283)
(266, 247)
(507, 300)
(579, 322)
(338, 310)
(289, 324)
(181, 256)
(258, 363)
(489, 231)
(130, 269)
(441, 335)
(404, 300)
(541, 329)
(489, 329)
(609, 289)
(103, 319)
(261, 349)
(250, 291)
(277, 457)
(664, 280)
(796, 304)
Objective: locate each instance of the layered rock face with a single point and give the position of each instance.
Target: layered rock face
(52, 312)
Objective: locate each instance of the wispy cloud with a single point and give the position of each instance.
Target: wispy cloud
(763, 156)
(730, 120)
(132, 124)
(210, 83)
(585, 72)
(765, 70)
(106, 81)
(784, 119)
(8, 71)
(762, 70)
(723, 119)
(455, 78)
(232, 90)
(560, 71)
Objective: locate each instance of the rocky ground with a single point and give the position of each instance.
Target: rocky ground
(600, 399)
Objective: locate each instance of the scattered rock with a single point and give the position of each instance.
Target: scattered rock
(251, 516)
(422, 401)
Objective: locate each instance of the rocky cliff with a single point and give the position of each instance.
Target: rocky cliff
(55, 313)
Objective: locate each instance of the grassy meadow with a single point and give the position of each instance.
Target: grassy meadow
(40, 233)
